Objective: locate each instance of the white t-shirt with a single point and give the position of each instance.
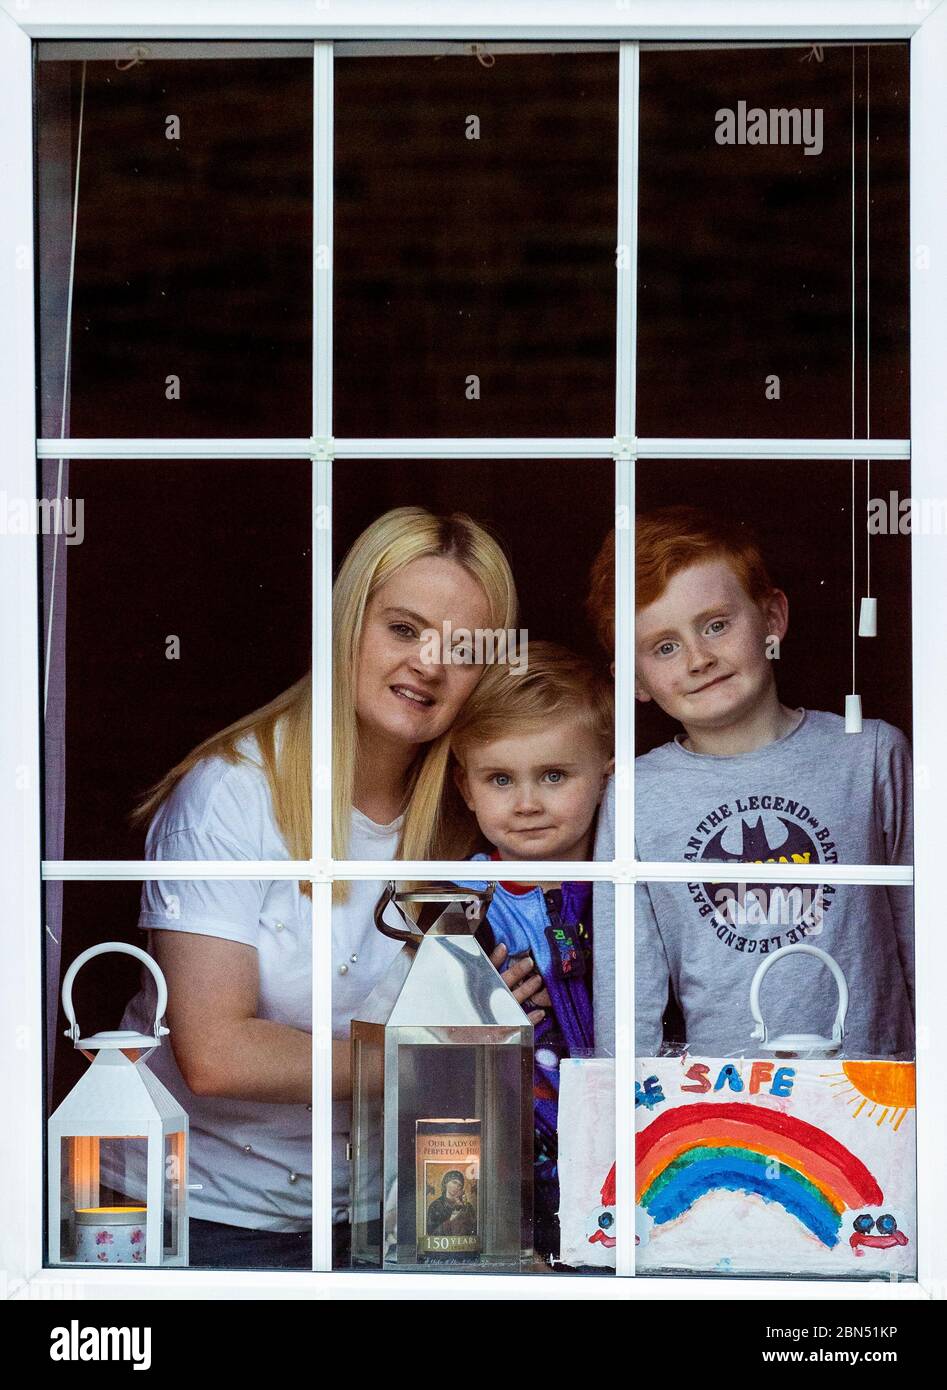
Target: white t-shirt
(253, 1158)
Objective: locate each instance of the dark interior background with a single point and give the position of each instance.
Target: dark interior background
(492, 257)
(452, 257)
(193, 255)
(550, 516)
(801, 513)
(745, 251)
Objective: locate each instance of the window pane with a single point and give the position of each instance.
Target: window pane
(98, 1222)
(192, 300)
(467, 1128)
(181, 605)
(249, 1145)
(698, 945)
(745, 700)
(452, 582)
(475, 245)
(745, 270)
(783, 1153)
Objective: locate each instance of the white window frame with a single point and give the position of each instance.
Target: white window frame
(627, 22)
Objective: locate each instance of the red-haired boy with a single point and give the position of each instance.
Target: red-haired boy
(751, 780)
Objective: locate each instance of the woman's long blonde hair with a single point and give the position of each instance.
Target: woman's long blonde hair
(435, 825)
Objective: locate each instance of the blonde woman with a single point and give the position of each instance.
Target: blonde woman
(237, 953)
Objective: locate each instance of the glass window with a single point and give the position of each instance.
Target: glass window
(745, 584)
(233, 1125)
(191, 309)
(470, 604)
(182, 589)
(470, 1102)
(775, 1108)
(745, 212)
(475, 208)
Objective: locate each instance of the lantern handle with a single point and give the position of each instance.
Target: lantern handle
(477, 904)
(802, 948)
(123, 948)
(395, 933)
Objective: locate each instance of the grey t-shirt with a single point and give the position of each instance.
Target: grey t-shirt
(817, 795)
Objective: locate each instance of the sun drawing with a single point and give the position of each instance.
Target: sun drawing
(885, 1088)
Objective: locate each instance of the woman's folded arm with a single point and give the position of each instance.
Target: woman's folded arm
(222, 1048)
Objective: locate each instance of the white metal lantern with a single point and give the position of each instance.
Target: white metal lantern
(800, 1044)
(118, 1118)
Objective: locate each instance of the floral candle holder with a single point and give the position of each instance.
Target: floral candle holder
(111, 1235)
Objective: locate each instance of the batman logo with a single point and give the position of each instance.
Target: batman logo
(763, 904)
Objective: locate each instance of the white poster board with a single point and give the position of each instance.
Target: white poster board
(766, 1166)
(587, 1162)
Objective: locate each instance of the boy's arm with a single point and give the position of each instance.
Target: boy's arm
(652, 975)
(652, 972)
(894, 791)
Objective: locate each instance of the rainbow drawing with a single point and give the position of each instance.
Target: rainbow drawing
(695, 1149)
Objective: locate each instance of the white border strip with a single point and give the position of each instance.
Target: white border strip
(626, 250)
(322, 1077)
(321, 744)
(392, 48)
(112, 50)
(743, 47)
(623, 995)
(647, 871)
(443, 870)
(500, 19)
(76, 50)
(22, 1183)
(454, 449)
(625, 1077)
(625, 385)
(929, 579)
(156, 870)
(322, 272)
(183, 449)
(474, 448)
(841, 450)
(123, 1282)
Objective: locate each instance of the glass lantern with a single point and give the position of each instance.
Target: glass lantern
(118, 1147)
(442, 1099)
